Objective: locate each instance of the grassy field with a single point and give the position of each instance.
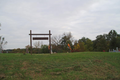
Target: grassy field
(60, 66)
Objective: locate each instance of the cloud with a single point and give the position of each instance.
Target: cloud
(87, 18)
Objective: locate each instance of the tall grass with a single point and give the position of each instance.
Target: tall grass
(60, 66)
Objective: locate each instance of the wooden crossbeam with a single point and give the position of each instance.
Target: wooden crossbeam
(40, 34)
(40, 38)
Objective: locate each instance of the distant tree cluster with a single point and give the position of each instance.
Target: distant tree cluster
(107, 41)
(101, 43)
(37, 50)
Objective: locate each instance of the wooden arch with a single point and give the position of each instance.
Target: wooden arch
(39, 38)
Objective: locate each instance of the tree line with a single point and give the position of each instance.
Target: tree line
(42, 49)
(101, 43)
(60, 43)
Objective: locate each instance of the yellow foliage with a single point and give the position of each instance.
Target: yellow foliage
(77, 47)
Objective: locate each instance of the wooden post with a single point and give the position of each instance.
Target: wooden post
(50, 40)
(31, 42)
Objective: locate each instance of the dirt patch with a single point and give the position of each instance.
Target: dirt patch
(98, 61)
(2, 76)
(56, 73)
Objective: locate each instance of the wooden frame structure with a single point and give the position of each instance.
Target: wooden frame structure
(39, 38)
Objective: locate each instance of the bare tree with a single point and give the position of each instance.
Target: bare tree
(67, 38)
(27, 48)
(56, 40)
(2, 43)
(37, 44)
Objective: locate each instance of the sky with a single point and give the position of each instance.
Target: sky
(83, 18)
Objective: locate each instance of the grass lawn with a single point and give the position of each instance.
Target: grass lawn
(60, 66)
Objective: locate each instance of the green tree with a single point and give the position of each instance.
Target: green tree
(112, 37)
(118, 41)
(101, 43)
(106, 41)
(44, 49)
(66, 39)
(112, 34)
(88, 44)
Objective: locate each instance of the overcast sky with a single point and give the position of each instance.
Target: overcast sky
(83, 18)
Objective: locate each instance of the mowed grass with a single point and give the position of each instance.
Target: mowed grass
(60, 66)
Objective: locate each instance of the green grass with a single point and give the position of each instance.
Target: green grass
(60, 66)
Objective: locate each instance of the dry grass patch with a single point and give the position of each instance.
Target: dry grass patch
(98, 61)
(102, 71)
(25, 65)
(34, 74)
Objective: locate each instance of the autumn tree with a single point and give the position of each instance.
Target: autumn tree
(82, 46)
(76, 48)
